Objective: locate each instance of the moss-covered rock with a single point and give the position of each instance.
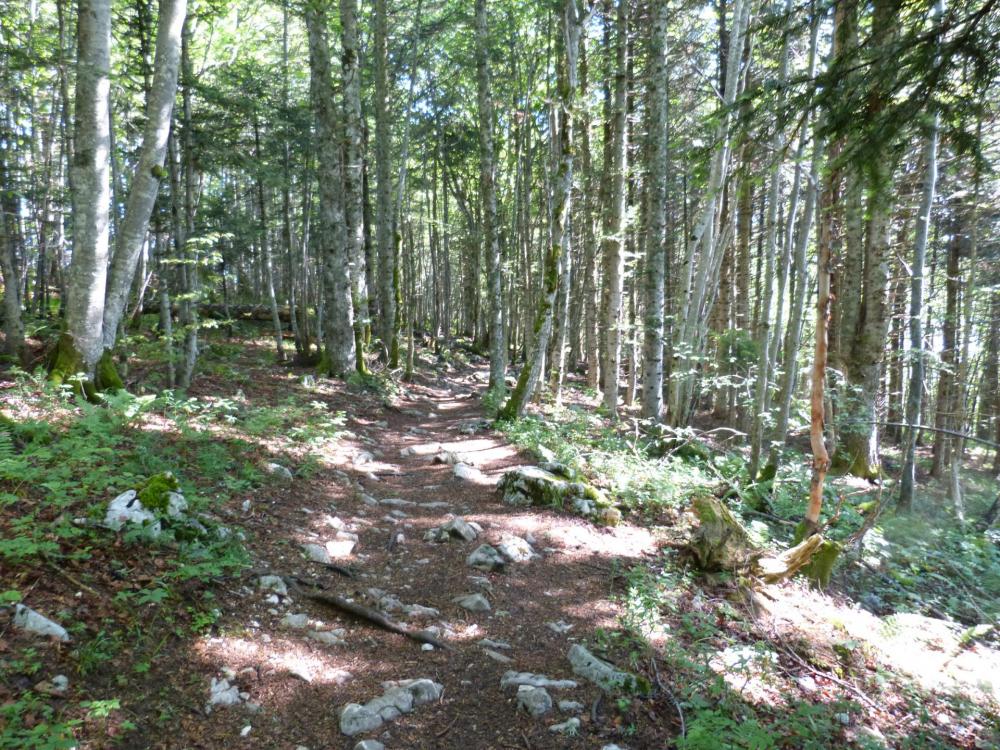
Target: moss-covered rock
(156, 491)
(553, 485)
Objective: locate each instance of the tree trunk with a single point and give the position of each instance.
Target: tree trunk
(614, 213)
(915, 393)
(488, 196)
(338, 326)
(82, 345)
(657, 110)
(352, 173)
(571, 24)
(149, 170)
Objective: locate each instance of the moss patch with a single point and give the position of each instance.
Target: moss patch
(155, 493)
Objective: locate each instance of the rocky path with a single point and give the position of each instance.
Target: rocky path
(411, 502)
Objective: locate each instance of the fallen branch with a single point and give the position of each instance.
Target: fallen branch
(371, 615)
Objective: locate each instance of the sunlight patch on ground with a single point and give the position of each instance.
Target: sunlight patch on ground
(928, 649)
(311, 665)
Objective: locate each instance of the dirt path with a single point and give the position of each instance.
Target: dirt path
(387, 485)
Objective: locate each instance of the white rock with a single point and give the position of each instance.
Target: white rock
(279, 471)
(560, 627)
(570, 727)
(399, 698)
(245, 730)
(515, 549)
(60, 683)
(598, 671)
(512, 678)
(497, 656)
(317, 553)
(486, 558)
(328, 637)
(536, 701)
(296, 621)
(273, 583)
(427, 647)
(473, 602)
(127, 509)
(221, 693)
(369, 745)
(28, 619)
(570, 707)
(470, 474)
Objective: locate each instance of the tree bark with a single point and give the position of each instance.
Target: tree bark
(82, 345)
(488, 196)
(338, 326)
(149, 170)
(657, 138)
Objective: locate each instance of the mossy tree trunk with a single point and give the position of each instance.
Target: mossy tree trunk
(571, 27)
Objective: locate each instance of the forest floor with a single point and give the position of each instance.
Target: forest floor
(151, 635)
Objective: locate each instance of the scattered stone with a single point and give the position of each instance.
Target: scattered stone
(490, 643)
(28, 619)
(279, 472)
(426, 647)
(396, 502)
(603, 674)
(316, 553)
(245, 730)
(481, 582)
(434, 504)
(398, 699)
(486, 558)
(127, 509)
(369, 745)
(448, 458)
(457, 528)
(368, 500)
(470, 474)
(54, 687)
(614, 747)
(221, 693)
(497, 656)
(570, 707)
(569, 727)
(296, 621)
(512, 678)
(363, 458)
(560, 627)
(329, 637)
(273, 583)
(473, 602)
(342, 545)
(515, 549)
(389, 603)
(536, 701)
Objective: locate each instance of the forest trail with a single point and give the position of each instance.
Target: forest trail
(384, 483)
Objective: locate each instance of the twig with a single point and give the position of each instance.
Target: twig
(72, 579)
(826, 675)
(670, 693)
(371, 615)
(447, 729)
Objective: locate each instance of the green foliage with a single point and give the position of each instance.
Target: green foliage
(29, 723)
(155, 492)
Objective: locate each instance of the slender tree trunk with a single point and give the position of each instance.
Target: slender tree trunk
(265, 246)
(149, 171)
(657, 106)
(614, 214)
(352, 173)
(915, 392)
(338, 325)
(571, 24)
(82, 345)
(488, 196)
